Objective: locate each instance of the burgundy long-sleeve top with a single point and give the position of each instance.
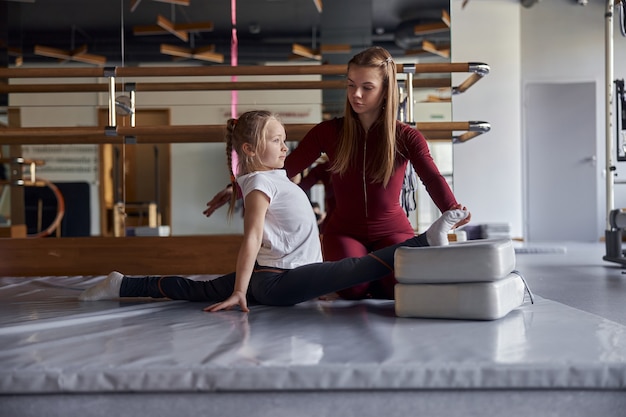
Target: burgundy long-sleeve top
(366, 209)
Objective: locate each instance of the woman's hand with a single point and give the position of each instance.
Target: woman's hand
(465, 220)
(218, 201)
(237, 298)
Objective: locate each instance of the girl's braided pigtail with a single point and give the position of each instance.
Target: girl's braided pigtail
(230, 126)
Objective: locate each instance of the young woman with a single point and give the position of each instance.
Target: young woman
(368, 151)
(280, 261)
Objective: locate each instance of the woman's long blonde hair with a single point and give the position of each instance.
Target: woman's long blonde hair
(381, 158)
(249, 128)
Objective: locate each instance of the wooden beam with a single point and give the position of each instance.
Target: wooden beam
(206, 53)
(224, 70)
(445, 18)
(183, 27)
(336, 48)
(165, 134)
(305, 51)
(52, 52)
(13, 51)
(13, 231)
(177, 2)
(134, 4)
(430, 28)
(433, 49)
(430, 82)
(169, 27)
(175, 50)
(431, 98)
(173, 255)
(78, 54)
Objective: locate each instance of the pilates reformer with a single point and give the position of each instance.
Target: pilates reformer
(34, 181)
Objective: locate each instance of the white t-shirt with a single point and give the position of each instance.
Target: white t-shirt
(290, 233)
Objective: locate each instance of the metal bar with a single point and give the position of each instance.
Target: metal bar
(409, 99)
(608, 109)
(111, 74)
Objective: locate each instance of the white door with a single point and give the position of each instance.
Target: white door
(560, 127)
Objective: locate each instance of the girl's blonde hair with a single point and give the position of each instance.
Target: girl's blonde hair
(381, 158)
(249, 128)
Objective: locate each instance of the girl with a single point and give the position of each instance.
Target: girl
(280, 261)
(368, 151)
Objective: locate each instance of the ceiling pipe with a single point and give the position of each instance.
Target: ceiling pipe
(406, 38)
(529, 3)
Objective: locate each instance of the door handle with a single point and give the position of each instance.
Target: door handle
(591, 159)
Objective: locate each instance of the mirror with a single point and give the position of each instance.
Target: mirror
(169, 184)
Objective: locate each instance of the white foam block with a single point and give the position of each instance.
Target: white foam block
(470, 301)
(470, 261)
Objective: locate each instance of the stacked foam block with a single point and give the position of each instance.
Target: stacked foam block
(464, 280)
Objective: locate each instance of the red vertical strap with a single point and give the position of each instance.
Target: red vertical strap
(233, 62)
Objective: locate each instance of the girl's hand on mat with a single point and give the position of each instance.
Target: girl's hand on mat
(465, 220)
(238, 298)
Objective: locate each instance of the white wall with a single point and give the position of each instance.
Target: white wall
(554, 40)
(487, 169)
(565, 42)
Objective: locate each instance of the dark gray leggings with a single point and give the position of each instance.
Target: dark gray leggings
(271, 286)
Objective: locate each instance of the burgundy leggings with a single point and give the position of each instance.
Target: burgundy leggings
(336, 247)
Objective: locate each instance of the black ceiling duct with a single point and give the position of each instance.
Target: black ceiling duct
(529, 3)
(406, 38)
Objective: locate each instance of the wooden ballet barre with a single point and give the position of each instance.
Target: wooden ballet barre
(478, 71)
(438, 82)
(21, 161)
(444, 131)
(32, 163)
(196, 133)
(224, 70)
(21, 183)
(474, 129)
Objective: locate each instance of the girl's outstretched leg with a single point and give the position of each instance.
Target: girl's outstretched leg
(107, 289)
(116, 285)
